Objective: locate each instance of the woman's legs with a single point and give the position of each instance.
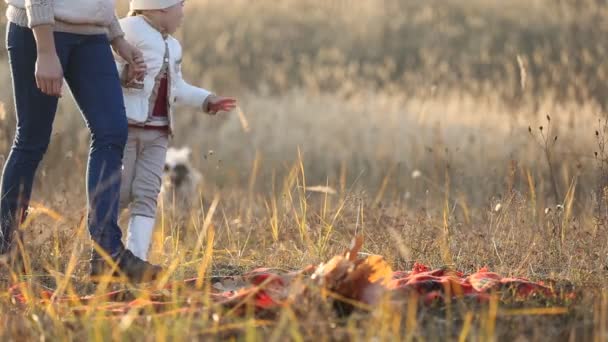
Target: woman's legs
(93, 80)
(35, 113)
(89, 68)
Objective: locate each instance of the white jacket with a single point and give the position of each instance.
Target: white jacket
(152, 44)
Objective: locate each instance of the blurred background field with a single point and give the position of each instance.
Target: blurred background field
(424, 116)
(386, 85)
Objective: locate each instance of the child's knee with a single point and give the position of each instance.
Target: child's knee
(144, 205)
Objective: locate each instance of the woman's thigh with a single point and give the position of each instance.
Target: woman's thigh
(93, 79)
(35, 110)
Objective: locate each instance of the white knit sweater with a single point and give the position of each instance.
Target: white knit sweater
(75, 16)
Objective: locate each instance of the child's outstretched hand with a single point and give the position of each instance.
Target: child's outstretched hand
(217, 104)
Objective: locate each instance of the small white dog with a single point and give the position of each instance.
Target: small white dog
(180, 189)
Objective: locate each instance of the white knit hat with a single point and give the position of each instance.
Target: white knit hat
(137, 5)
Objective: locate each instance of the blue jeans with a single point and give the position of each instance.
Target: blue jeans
(90, 72)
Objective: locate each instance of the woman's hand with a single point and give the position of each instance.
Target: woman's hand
(132, 56)
(49, 72)
(128, 78)
(220, 104)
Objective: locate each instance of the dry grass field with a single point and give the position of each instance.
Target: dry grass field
(457, 134)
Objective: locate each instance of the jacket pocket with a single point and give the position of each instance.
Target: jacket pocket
(136, 105)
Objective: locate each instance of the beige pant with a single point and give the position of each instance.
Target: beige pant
(143, 163)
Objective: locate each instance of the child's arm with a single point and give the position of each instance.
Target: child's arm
(189, 95)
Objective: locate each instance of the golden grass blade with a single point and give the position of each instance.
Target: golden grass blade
(534, 311)
(244, 123)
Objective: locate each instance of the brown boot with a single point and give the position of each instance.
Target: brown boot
(134, 268)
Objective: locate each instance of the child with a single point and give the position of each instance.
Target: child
(149, 105)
